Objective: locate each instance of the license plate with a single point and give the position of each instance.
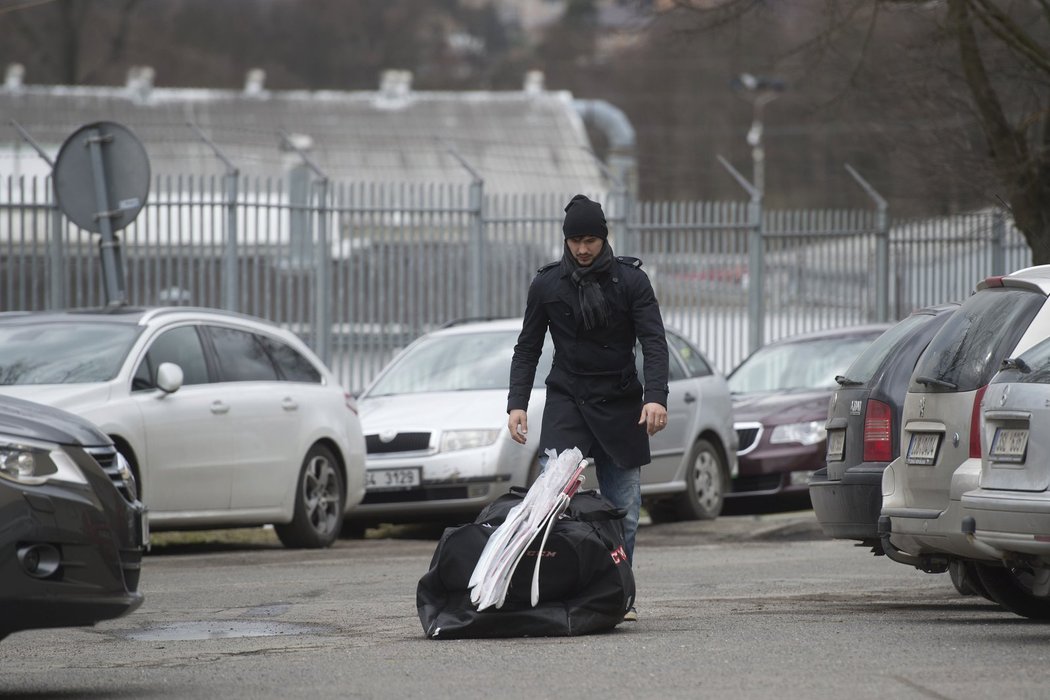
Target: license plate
(1009, 444)
(383, 479)
(836, 445)
(923, 448)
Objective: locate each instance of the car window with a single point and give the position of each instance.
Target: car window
(63, 353)
(969, 348)
(181, 346)
(675, 371)
(459, 362)
(694, 362)
(241, 356)
(869, 361)
(294, 367)
(1033, 368)
(798, 365)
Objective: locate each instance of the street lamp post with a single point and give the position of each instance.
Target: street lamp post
(760, 91)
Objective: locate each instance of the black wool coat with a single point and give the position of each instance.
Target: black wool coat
(594, 396)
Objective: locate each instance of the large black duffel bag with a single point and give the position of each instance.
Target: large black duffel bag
(586, 583)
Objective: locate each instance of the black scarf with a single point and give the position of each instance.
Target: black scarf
(593, 304)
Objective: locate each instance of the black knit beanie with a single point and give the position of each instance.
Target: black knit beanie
(584, 217)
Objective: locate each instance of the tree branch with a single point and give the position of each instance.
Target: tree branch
(1012, 35)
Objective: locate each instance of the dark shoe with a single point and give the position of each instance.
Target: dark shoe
(631, 615)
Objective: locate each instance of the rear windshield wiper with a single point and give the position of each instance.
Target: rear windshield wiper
(1016, 363)
(933, 381)
(843, 380)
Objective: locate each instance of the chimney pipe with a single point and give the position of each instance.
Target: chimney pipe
(255, 82)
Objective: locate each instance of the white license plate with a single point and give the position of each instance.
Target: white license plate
(382, 479)
(1009, 444)
(836, 445)
(923, 448)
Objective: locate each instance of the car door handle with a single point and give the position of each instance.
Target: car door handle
(688, 398)
(289, 404)
(218, 407)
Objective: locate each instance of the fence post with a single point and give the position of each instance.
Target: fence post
(882, 247)
(323, 287)
(998, 242)
(478, 302)
(478, 242)
(756, 311)
(56, 254)
(230, 269)
(322, 307)
(756, 264)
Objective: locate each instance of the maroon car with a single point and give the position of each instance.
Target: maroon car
(780, 406)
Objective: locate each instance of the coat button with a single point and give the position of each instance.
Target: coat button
(581, 402)
(616, 279)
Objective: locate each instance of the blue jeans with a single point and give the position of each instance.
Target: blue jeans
(623, 488)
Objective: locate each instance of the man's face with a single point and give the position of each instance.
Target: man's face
(585, 249)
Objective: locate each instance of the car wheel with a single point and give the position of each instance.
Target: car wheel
(534, 471)
(966, 579)
(1012, 588)
(706, 483)
(319, 503)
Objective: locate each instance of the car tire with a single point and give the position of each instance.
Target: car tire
(966, 579)
(319, 503)
(1011, 588)
(706, 483)
(534, 471)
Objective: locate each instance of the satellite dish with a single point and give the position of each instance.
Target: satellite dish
(111, 186)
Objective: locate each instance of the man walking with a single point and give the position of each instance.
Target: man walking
(596, 306)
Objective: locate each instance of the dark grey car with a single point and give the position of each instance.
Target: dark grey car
(864, 418)
(72, 529)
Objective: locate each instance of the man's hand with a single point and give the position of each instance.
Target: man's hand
(654, 416)
(518, 425)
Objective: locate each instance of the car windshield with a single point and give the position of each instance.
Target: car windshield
(969, 348)
(869, 361)
(809, 364)
(458, 362)
(63, 353)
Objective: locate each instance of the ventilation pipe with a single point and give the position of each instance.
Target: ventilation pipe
(255, 82)
(140, 82)
(616, 127)
(13, 77)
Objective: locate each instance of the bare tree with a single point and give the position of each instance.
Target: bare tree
(70, 40)
(997, 50)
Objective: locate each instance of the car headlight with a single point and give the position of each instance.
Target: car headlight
(453, 440)
(127, 476)
(808, 433)
(31, 463)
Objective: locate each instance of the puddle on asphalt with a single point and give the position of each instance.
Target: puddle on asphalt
(218, 629)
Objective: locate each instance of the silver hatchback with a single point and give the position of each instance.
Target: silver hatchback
(922, 514)
(1009, 515)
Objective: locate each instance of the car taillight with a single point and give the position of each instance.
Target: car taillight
(975, 424)
(878, 427)
(350, 403)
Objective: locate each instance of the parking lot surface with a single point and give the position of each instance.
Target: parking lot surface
(745, 606)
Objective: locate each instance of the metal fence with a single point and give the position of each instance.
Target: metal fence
(360, 269)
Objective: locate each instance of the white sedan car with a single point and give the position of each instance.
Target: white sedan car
(225, 419)
(438, 447)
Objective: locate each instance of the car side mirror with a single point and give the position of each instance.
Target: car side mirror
(169, 377)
